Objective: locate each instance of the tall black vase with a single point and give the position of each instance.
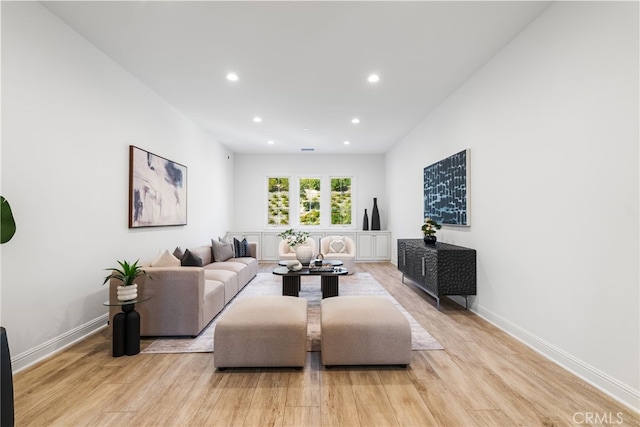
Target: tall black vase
(365, 221)
(375, 215)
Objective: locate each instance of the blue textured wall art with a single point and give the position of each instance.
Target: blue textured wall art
(446, 199)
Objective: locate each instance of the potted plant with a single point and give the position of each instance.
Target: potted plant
(8, 226)
(429, 230)
(297, 240)
(294, 237)
(127, 274)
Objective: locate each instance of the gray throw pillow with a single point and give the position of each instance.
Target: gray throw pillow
(191, 260)
(222, 251)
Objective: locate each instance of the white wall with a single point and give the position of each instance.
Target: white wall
(69, 114)
(251, 171)
(552, 124)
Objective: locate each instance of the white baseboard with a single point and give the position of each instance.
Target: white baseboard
(57, 344)
(603, 382)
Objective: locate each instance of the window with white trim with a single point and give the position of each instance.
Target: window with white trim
(309, 201)
(341, 201)
(278, 201)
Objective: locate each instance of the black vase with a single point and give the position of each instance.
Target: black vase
(375, 216)
(430, 240)
(365, 221)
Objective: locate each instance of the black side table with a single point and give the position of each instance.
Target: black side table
(6, 389)
(126, 327)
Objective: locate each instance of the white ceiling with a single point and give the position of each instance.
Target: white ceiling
(301, 64)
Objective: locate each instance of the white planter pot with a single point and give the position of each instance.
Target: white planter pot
(304, 254)
(127, 293)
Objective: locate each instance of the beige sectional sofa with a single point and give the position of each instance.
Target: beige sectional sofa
(183, 300)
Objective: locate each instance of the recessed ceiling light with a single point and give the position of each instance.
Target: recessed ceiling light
(232, 77)
(270, 142)
(355, 120)
(346, 143)
(373, 78)
(257, 119)
(305, 129)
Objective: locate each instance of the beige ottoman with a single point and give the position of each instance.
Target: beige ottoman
(262, 332)
(363, 330)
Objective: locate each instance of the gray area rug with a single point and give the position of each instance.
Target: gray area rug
(269, 284)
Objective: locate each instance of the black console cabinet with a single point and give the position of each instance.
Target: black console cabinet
(439, 269)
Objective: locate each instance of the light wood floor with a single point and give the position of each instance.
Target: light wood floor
(482, 378)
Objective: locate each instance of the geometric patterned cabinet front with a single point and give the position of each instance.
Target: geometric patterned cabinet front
(440, 269)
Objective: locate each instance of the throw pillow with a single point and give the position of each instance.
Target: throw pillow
(337, 245)
(165, 259)
(191, 260)
(178, 253)
(221, 251)
(241, 248)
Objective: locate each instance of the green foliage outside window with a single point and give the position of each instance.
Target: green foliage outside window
(340, 201)
(310, 201)
(278, 211)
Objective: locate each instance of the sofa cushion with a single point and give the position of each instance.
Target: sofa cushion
(245, 272)
(178, 252)
(249, 272)
(165, 259)
(222, 251)
(228, 278)
(213, 299)
(191, 260)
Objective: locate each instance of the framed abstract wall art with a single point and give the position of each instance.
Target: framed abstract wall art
(157, 190)
(446, 185)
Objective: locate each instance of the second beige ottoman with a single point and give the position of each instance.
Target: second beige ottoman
(363, 330)
(262, 331)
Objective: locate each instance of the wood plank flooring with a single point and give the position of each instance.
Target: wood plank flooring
(482, 378)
